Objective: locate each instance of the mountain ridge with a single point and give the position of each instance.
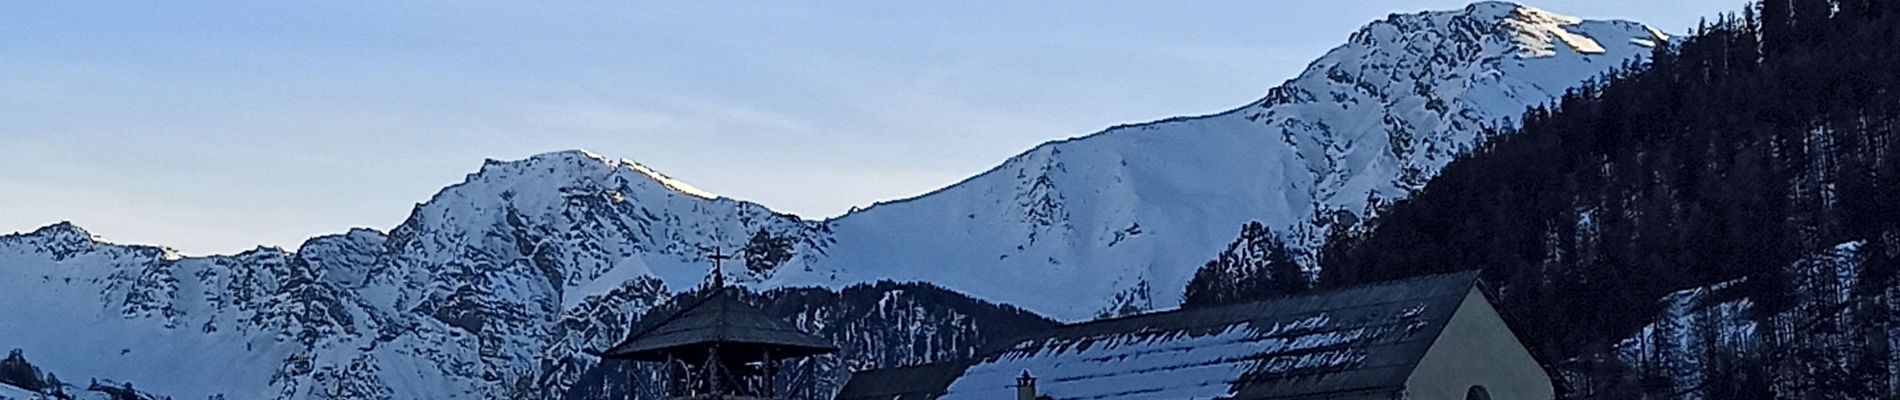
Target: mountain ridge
(1322, 172)
(1318, 164)
(496, 283)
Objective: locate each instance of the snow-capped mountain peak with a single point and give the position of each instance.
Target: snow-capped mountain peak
(1129, 212)
(670, 183)
(625, 213)
(58, 241)
(584, 157)
(64, 232)
(1539, 32)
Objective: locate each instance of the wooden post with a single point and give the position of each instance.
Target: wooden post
(714, 369)
(667, 379)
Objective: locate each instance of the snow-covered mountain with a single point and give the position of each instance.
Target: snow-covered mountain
(493, 286)
(1103, 214)
(350, 318)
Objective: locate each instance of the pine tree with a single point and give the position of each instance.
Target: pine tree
(765, 252)
(1811, 20)
(1777, 25)
(16, 371)
(1257, 265)
(54, 386)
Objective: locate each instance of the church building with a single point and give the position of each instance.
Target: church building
(1428, 338)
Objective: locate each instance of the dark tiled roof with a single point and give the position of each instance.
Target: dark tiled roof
(720, 318)
(904, 383)
(1351, 342)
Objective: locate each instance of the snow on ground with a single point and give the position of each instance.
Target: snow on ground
(8, 392)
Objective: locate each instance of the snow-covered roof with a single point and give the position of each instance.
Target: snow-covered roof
(1362, 340)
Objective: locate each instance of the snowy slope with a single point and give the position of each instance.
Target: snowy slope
(109, 311)
(493, 286)
(14, 393)
(1099, 215)
(487, 290)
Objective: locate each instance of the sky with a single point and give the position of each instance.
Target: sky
(217, 127)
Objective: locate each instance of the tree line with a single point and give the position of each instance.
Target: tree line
(1741, 156)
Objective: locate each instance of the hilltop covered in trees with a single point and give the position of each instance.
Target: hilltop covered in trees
(1736, 159)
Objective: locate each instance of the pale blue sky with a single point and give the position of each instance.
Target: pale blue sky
(216, 127)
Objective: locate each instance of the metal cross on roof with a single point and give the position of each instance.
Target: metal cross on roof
(718, 277)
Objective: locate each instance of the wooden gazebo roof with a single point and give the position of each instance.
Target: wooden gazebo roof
(719, 321)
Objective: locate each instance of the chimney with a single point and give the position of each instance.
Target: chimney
(1025, 386)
